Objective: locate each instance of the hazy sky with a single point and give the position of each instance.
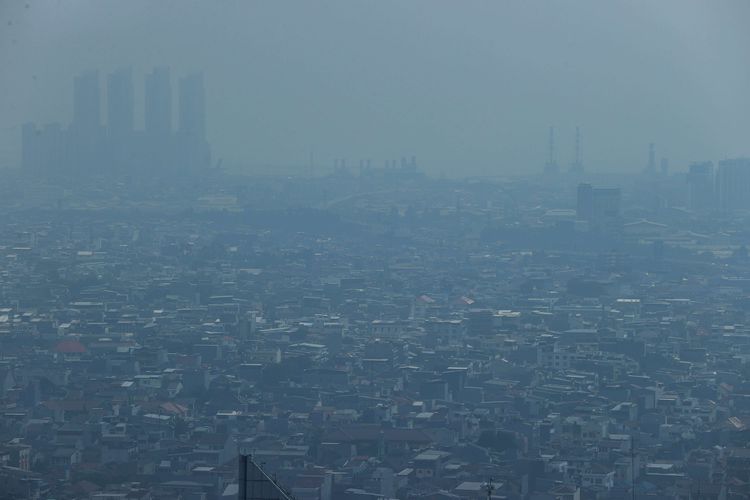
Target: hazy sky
(466, 86)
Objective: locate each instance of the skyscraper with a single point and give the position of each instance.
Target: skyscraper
(599, 206)
(158, 112)
(733, 184)
(192, 107)
(120, 104)
(88, 148)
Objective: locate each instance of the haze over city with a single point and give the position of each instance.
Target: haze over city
(469, 88)
(374, 250)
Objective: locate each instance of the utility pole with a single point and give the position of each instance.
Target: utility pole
(632, 463)
(490, 489)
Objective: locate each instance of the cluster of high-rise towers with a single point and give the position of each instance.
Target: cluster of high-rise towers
(89, 145)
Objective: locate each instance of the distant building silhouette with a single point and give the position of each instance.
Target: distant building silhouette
(599, 206)
(733, 184)
(86, 147)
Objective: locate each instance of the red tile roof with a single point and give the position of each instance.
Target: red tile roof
(70, 347)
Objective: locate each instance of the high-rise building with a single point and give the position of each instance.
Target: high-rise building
(700, 180)
(599, 206)
(158, 97)
(733, 184)
(120, 104)
(86, 147)
(192, 107)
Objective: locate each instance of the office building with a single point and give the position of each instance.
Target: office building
(86, 147)
(733, 184)
(599, 206)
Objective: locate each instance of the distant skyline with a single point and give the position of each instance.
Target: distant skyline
(117, 146)
(467, 87)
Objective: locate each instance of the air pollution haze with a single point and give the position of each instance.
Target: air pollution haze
(375, 250)
(470, 88)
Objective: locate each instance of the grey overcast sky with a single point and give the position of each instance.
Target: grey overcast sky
(466, 86)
